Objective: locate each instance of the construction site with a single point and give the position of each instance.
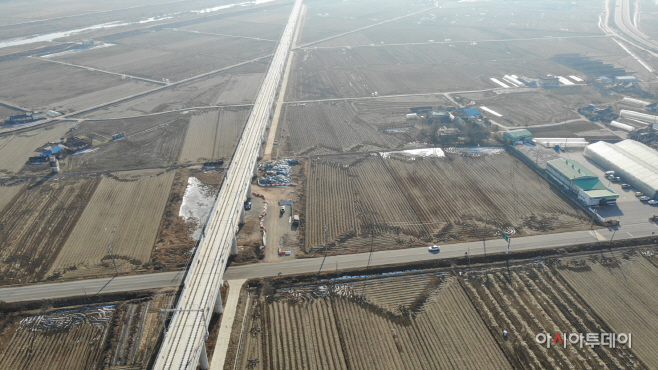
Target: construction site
(271, 184)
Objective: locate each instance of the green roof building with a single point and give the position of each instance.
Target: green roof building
(517, 135)
(581, 182)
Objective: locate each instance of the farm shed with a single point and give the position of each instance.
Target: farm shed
(581, 181)
(517, 135)
(634, 161)
(472, 112)
(625, 79)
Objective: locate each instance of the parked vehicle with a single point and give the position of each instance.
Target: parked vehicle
(434, 248)
(653, 202)
(645, 198)
(625, 186)
(609, 173)
(282, 210)
(247, 205)
(639, 194)
(295, 220)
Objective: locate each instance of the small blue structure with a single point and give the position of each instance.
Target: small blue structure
(472, 112)
(52, 151)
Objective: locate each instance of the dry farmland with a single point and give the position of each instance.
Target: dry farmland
(124, 212)
(36, 223)
(213, 135)
(425, 323)
(157, 55)
(150, 141)
(42, 85)
(538, 300)
(122, 334)
(63, 340)
(629, 304)
(442, 318)
(16, 149)
(239, 86)
(321, 128)
(431, 199)
(454, 21)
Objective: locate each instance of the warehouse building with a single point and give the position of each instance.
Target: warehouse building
(512, 137)
(635, 162)
(581, 182)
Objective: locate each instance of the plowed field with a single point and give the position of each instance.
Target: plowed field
(35, 225)
(213, 135)
(426, 324)
(63, 340)
(428, 200)
(629, 304)
(125, 212)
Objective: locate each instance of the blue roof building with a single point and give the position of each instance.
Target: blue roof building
(472, 112)
(52, 151)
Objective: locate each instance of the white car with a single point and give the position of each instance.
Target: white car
(434, 248)
(644, 198)
(653, 202)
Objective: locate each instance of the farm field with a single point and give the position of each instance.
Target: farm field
(7, 193)
(590, 131)
(62, 339)
(527, 109)
(149, 142)
(213, 135)
(629, 304)
(237, 86)
(16, 149)
(412, 202)
(527, 300)
(137, 56)
(454, 317)
(121, 334)
(40, 85)
(431, 67)
(36, 224)
(452, 21)
(125, 212)
(433, 325)
(321, 128)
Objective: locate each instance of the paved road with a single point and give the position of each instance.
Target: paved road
(306, 265)
(91, 287)
(447, 251)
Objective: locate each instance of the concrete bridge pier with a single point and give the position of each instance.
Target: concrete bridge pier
(203, 359)
(249, 191)
(256, 169)
(260, 152)
(243, 216)
(218, 302)
(234, 247)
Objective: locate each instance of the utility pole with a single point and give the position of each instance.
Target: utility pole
(484, 236)
(113, 261)
(372, 244)
(326, 240)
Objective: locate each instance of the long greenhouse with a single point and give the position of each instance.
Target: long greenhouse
(635, 162)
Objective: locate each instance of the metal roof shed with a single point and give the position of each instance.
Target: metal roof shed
(634, 161)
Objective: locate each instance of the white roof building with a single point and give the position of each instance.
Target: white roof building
(632, 160)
